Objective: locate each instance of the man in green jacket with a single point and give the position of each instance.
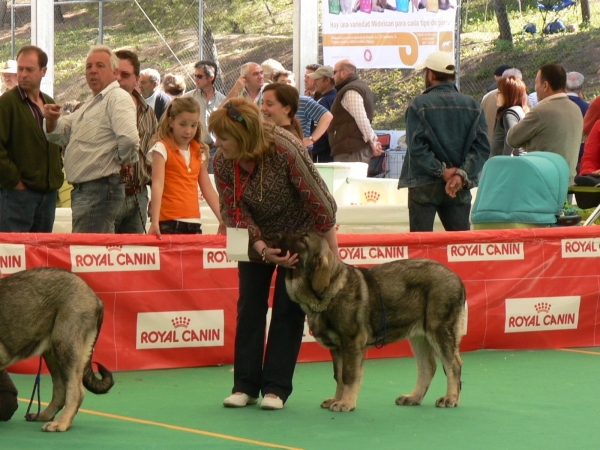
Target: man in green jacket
(30, 166)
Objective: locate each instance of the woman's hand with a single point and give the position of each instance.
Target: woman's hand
(288, 261)
(222, 228)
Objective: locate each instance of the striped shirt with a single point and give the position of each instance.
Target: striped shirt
(146, 125)
(100, 136)
(206, 109)
(355, 105)
(309, 110)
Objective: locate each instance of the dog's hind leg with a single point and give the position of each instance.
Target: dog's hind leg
(72, 355)
(425, 356)
(337, 375)
(452, 363)
(58, 391)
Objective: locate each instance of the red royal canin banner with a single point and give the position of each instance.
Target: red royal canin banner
(172, 302)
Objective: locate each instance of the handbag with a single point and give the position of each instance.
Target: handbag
(377, 165)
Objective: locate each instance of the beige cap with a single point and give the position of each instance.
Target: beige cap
(323, 71)
(439, 62)
(9, 67)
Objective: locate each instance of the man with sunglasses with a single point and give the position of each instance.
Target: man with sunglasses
(133, 215)
(351, 136)
(209, 99)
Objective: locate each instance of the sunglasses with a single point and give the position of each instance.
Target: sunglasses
(234, 114)
(199, 76)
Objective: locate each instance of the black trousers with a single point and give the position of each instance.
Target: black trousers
(258, 369)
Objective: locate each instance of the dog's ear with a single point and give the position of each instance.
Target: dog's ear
(321, 276)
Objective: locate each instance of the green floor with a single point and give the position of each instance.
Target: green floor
(510, 400)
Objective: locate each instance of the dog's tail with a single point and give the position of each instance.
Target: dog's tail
(106, 381)
(95, 385)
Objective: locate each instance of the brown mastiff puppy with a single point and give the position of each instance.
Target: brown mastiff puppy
(350, 309)
(53, 313)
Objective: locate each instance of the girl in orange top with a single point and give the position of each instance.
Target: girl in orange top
(179, 164)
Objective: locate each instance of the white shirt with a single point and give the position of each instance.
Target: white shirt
(152, 99)
(100, 136)
(206, 109)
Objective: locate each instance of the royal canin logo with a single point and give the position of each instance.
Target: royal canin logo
(541, 313)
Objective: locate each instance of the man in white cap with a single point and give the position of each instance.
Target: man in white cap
(446, 135)
(324, 85)
(9, 75)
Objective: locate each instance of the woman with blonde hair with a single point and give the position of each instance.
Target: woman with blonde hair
(511, 99)
(267, 184)
(179, 165)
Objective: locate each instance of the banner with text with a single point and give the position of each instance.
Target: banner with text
(172, 302)
(387, 33)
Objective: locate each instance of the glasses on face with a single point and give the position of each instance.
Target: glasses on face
(234, 114)
(198, 76)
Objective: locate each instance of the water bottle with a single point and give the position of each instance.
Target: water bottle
(365, 6)
(334, 6)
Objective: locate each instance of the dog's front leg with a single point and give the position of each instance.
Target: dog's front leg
(337, 375)
(425, 356)
(353, 356)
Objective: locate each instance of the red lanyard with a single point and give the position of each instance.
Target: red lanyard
(239, 188)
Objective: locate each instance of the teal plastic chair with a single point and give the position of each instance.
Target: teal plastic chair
(521, 192)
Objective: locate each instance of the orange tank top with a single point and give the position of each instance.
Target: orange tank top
(180, 192)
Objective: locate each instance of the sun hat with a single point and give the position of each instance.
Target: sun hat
(323, 71)
(438, 62)
(9, 67)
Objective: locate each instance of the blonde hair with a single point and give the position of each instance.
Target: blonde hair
(178, 106)
(253, 138)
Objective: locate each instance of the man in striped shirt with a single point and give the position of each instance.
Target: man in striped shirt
(100, 137)
(133, 215)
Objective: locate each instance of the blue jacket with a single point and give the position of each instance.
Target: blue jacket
(444, 129)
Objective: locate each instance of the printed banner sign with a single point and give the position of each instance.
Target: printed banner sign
(392, 34)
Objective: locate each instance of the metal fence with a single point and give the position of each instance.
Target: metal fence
(165, 36)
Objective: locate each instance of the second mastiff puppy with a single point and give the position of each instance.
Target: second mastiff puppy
(350, 309)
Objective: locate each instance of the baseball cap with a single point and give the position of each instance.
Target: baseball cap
(323, 71)
(500, 69)
(9, 67)
(438, 61)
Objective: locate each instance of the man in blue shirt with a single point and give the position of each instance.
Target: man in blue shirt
(325, 86)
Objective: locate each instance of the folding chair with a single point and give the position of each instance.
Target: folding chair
(555, 8)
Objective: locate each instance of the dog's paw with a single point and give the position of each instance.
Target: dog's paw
(54, 426)
(447, 402)
(409, 400)
(327, 402)
(342, 406)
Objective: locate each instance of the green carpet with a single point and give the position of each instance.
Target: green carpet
(510, 400)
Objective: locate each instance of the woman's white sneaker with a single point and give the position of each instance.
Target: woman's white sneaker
(239, 400)
(271, 403)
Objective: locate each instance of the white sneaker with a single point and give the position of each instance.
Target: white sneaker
(271, 403)
(239, 400)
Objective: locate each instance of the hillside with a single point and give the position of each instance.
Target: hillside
(257, 30)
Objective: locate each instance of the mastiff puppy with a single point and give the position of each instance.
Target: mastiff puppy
(350, 309)
(54, 313)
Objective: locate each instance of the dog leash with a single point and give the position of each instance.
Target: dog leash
(380, 343)
(36, 387)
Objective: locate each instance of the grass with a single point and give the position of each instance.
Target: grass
(260, 29)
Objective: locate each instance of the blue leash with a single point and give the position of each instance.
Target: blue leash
(36, 387)
(382, 328)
